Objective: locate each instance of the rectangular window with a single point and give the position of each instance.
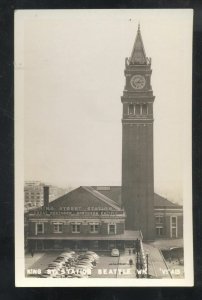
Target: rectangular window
(131, 109)
(39, 228)
(159, 219)
(144, 109)
(57, 227)
(137, 109)
(174, 221)
(174, 233)
(76, 228)
(112, 229)
(94, 228)
(173, 225)
(159, 231)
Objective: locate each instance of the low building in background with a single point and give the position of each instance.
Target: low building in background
(33, 193)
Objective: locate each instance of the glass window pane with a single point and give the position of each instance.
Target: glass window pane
(174, 232)
(173, 221)
(39, 228)
(112, 229)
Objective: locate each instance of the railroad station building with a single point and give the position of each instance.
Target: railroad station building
(114, 217)
(93, 218)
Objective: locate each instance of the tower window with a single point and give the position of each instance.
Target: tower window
(131, 109)
(137, 109)
(144, 109)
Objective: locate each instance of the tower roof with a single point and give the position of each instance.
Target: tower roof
(138, 55)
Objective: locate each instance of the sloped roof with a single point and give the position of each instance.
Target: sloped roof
(160, 201)
(115, 193)
(97, 196)
(138, 55)
(102, 197)
(84, 197)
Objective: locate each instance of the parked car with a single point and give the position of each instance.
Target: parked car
(115, 252)
(67, 253)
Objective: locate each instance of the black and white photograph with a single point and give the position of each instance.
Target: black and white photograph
(103, 139)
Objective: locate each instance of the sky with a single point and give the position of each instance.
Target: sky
(72, 63)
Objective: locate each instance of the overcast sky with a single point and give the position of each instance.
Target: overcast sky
(73, 68)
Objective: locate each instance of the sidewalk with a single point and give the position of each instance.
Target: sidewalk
(157, 266)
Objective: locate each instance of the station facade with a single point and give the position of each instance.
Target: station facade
(93, 218)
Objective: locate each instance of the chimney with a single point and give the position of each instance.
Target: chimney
(46, 195)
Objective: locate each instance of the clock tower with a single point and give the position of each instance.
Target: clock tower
(137, 142)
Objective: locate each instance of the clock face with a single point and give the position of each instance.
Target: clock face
(138, 82)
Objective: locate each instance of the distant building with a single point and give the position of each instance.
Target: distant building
(33, 193)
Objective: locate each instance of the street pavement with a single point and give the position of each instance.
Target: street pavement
(40, 260)
(30, 260)
(125, 259)
(115, 267)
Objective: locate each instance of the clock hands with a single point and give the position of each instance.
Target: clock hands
(138, 81)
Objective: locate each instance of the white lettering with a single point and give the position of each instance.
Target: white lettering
(115, 271)
(33, 271)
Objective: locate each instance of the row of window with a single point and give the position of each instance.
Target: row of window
(33, 193)
(75, 228)
(160, 230)
(160, 220)
(138, 109)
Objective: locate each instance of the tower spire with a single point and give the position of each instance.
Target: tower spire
(138, 55)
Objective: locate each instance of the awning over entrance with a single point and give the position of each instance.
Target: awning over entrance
(127, 236)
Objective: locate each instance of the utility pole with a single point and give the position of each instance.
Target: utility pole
(147, 258)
